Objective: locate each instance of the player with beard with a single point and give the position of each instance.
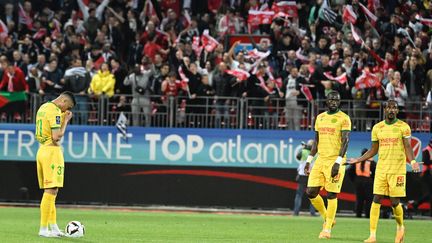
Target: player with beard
(332, 129)
(391, 140)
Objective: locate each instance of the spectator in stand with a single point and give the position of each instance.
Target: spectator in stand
(103, 82)
(34, 80)
(13, 80)
(397, 91)
(221, 85)
(52, 77)
(77, 80)
(293, 111)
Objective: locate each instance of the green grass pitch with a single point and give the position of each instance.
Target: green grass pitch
(21, 225)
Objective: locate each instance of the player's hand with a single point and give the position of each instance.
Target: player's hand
(335, 169)
(68, 115)
(416, 167)
(307, 169)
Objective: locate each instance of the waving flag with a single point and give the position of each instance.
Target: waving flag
(367, 80)
(287, 7)
(23, 18)
(372, 18)
(4, 31)
(306, 92)
(9, 98)
(301, 57)
(341, 79)
(327, 13)
(208, 42)
(240, 74)
(40, 33)
(256, 18)
(424, 21)
(356, 36)
(255, 54)
(349, 15)
(121, 125)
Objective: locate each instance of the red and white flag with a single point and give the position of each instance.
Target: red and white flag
(182, 75)
(256, 18)
(208, 42)
(424, 21)
(56, 29)
(255, 54)
(187, 18)
(98, 63)
(287, 7)
(4, 31)
(349, 15)
(306, 92)
(367, 80)
(356, 36)
(149, 9)
(196, 45)
(240, 74)
(372, 18)
(40, 34)
(263, 85)
(342, 79)
(24, 18)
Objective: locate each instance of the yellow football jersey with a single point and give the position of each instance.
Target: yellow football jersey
(48, 117)
(329, 127)
(391, 154)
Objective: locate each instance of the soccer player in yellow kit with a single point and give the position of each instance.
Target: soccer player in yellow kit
(52, 119)
(332, 129)
(391, 140)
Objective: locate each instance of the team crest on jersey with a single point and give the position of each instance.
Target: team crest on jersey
(400, 181)
(334, 120)
(58, 120)
(395, 129)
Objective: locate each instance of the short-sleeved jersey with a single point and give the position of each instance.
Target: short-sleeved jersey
(329, 127)
(391, 153)
(48, 117)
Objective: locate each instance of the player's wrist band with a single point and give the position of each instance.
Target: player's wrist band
(413, 161)
(338, 160)
(309, 159)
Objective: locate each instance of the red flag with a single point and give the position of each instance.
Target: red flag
(208, 42)
(341, 79)
(182, 75)
(424, 21)
(256, 18)
(372, 18)
(356, 36)
(187, 18)
(3, 29)
(349, 15)
(367, 80)
(149, 9)
(306, 92)
(255, 54)
(56, 29)
(287, 7)
(263, 85)
(23, 18)
(240, 74)
(41, 33)
(196, 46)
(99, 62)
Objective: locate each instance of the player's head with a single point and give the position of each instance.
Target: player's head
(333, 101)
(66, 101)
(391, 109)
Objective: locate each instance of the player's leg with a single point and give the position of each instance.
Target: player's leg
(315, 182)
(396, 191)
(374, 217)
(43, 172)
(58, 178)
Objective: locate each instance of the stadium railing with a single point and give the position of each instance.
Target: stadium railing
(222, 112)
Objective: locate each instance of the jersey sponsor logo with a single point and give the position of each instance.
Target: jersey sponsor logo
(400, 181)
(58, 120)
(389, 141)
(327, 130)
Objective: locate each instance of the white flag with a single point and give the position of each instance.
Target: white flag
(122, 125)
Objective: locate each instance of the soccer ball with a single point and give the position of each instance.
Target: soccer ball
(74, 229)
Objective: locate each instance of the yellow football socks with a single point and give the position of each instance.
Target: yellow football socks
(331, 213)
(374, 216)
(45, 208)
(318, 203)
(398, 214)
(52, 218)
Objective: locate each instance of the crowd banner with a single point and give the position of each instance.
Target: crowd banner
(177, 146)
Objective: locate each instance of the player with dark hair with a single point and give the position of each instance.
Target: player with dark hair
(52, 119)
(391, 139)
(332, 129)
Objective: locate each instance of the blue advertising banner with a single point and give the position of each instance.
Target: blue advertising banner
(176, 146)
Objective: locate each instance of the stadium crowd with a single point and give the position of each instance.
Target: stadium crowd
(366, 50)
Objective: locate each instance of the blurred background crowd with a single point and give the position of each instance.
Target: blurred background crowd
(138, 54)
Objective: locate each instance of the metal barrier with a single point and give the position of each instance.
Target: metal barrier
(222, 112)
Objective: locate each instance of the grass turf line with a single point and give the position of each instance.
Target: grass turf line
(21, 225)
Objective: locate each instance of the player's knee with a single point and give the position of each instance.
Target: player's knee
(394, 202)
(377, 199)
(311, 192)
(52, 191)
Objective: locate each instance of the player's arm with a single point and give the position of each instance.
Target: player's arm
(58, 132)
(312, 154)
(369, 154)
(410, 154)
(342, 151)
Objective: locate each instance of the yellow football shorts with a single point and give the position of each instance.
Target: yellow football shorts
(50, 167)
(390, 185)
(320, 176)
